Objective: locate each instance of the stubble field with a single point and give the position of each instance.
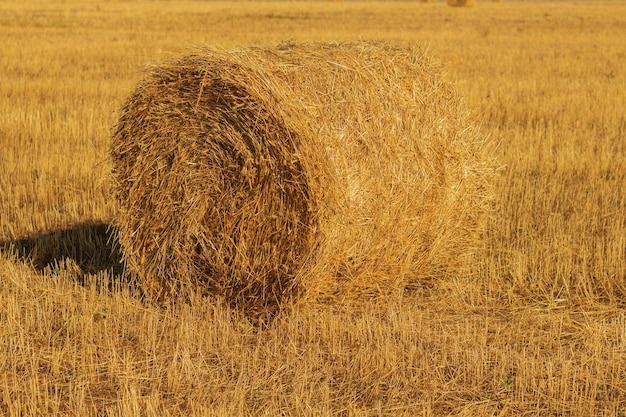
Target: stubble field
(536, 325)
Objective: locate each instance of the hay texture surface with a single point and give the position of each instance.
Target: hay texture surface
(316, 171)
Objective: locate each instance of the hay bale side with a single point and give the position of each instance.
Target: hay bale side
(326, 171)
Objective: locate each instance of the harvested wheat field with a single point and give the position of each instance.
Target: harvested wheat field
(329, 171)
(528, 320)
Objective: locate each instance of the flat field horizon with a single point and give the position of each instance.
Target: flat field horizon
(534, 325)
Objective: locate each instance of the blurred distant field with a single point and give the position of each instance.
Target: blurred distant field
(536, 326)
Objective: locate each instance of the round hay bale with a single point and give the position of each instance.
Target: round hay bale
(327, 171)
(461, 3)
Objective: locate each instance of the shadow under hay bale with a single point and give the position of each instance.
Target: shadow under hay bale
(92, 247)
(333, 172)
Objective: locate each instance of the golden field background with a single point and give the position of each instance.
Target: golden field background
(535, 326)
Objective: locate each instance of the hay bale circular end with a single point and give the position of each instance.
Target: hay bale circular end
(318, 171)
